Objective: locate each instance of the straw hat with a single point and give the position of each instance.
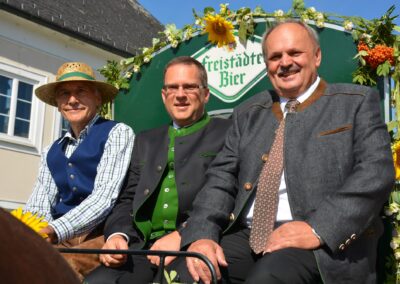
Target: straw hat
(72, 72)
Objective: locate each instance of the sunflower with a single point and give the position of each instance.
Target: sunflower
(219, 30)
(33, 221)
(396, 158)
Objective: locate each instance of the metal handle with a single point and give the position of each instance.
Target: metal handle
(160, 253)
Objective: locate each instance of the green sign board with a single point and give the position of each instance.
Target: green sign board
(234, 75)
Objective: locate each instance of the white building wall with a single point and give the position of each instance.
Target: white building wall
(38, 50)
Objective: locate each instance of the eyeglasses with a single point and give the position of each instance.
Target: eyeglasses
(187, 88)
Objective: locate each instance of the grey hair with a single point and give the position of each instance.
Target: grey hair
(311, 32)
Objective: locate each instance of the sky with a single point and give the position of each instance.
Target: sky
(179, 12)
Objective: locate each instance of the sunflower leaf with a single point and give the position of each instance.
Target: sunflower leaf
(208, 10)
(243, 32)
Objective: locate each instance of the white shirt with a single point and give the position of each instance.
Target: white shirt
(284, 213)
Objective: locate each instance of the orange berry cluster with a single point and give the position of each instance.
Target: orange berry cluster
(377, 55)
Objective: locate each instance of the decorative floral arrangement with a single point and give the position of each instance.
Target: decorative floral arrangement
(378, 46)
(33, 221)
(392, 211)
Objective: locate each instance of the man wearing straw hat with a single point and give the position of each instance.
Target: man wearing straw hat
(81, 173)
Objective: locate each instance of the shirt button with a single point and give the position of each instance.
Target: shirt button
(165, 206)
(171, 165)
(166, 190)
(172, 149)
(170, 176)
(165, 221)
(71, 176)
(74, 189)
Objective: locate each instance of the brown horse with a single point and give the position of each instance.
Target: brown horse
(26, 258)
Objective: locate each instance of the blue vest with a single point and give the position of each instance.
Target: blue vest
(75, 176)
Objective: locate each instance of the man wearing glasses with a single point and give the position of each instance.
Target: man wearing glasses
(166, 172)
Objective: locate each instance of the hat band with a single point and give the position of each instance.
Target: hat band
(76, 74)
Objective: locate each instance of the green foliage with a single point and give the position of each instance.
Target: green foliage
(171, 277)
(362, 77)
(208, 10)
(383, 69)
(244, 18)
(112, 73)
(298, 6)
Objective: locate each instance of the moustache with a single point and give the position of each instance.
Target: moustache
(283, 71)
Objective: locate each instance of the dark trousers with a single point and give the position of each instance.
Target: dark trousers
(284, 266)
(136, 270)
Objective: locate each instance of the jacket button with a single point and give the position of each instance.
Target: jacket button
(69, 164)
(71, 176)
(348, 241)
(248, 186)
(342, 246)
(231, 217)
(74, 189)
(159, 168)
(146, 191)
(353, 237)
(264, 157)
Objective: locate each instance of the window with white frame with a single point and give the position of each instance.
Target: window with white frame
(21, 113)
(61, 126)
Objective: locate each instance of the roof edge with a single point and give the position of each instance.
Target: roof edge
(12, 10)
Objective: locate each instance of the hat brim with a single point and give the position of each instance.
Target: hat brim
(46, 93)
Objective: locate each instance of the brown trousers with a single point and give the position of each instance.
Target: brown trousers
(82, 264)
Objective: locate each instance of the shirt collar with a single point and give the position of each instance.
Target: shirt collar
(176, 126)
(303, 96)
(85, 131)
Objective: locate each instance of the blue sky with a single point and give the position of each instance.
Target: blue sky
(179, 12)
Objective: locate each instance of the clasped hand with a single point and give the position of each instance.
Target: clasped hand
(295, 234)
(171, 242)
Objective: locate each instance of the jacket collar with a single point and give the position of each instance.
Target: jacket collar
(319, 91)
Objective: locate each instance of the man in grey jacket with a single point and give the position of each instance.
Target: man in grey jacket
(337, 173)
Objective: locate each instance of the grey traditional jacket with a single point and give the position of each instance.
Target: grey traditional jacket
(193, 154)
(338, 171)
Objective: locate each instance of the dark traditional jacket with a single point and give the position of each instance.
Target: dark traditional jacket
(193, 154)
(338, 172)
